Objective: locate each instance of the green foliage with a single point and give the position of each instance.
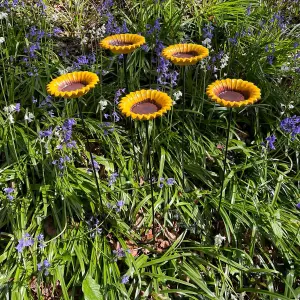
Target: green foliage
(104, 254)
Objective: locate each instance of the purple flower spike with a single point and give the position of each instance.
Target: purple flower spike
(271, 140)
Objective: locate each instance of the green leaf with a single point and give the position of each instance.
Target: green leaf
(91, 289)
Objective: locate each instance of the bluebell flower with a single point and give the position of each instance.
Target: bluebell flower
(220, 54)
(116, 116)
(95, 163)
(67, 129)
(40, 238)
(94, 227)
(145, 47)
(291, 125)
(32, 49)
(71, 145)
(25, 241)
(270, 59)
(113, 178)
(8, 192)
(44, 266)
(298, 206)
(92, 58)
(57, 31)
(45, 133)
(248, 11)
(174, 78)
(61, 162)
(17, 107)
(171, 181)
(51, 113)
(119, 253)
(161, 182)
(46, 102)
(106, 116)
(234, 39)
(125, 279)
(118, 94)
(208, 31)
(105, 6)
(271, 140)
(296, 45)
(119, 205)
(155, 29)
(124, 28)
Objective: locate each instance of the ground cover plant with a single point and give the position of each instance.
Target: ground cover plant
(97, 205)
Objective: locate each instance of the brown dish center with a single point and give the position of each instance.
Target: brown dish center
(73, 86)
(185, 54)
(120, 43)
(147, 106)
(232, 96)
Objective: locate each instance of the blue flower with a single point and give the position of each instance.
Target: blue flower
(125, 279)
(43, 266)
(40, 238)
(119, 205)
(234, 39)
(95, 164)
(93, 224)
(8, 192)
(57, 31)
(271, 140)
(61, 162)
(116, 116)
(298, 206)
(208, 31)
(105, 6)
(155, 29)
(171, 181)
(248, 11)
(67, 129)
(119, 253)
(25, 241)
(291, 125)
(71, 145)
(17, 107)
(124, 28)
(51, 113)
(118, 95)
(113, 178)
(145, 47)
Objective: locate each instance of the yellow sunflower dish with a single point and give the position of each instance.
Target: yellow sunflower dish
(122, 43)
(145, 104)
(185, 54)
(72, 85)
(233, 92)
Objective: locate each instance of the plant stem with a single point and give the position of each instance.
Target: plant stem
(183, 129)
(125, 72)
(91, 156)
(225, 157)
(151, 183)
(131, 125)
